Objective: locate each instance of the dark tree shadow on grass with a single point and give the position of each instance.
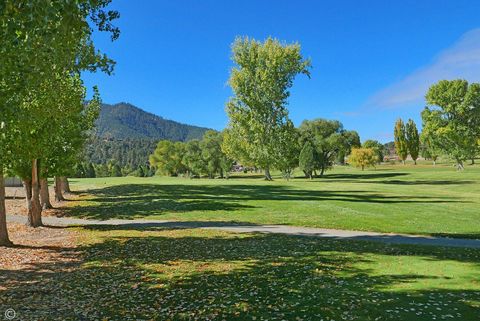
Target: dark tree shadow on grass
(178, 275)
(384, 178)
(369, 175)
(142, 200)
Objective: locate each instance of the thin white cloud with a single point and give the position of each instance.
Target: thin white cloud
(462, 60)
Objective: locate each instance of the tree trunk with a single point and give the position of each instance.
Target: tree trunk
(414, 162)
(27, 185)
(473, 161)
(322, 171)
(460, 165)
(268, 177)
(65, 184)
(44, 194)
(58, 190)
(36, 217)
(363, 167)
(4, 240)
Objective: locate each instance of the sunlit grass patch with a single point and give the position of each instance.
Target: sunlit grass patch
(402, 199)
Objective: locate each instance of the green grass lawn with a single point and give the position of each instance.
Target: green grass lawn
(194, 274)
(404, 199)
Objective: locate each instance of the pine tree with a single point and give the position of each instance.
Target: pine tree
(79, 171)
(116, 171)
(140, 171)
(400, 140)
(413, 140)
(90, 171)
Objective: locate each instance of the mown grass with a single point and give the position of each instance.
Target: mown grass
(195, 274)
(411, 199)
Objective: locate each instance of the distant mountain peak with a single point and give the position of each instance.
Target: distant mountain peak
(126, 121)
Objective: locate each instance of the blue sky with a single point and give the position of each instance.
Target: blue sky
(372, 60)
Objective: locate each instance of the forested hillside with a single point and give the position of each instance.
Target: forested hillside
(126, 152)
(126, 135)
(125, 121)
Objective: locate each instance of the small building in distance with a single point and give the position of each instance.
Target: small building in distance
(13, 182)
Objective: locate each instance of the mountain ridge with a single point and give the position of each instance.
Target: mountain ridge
(124, 120)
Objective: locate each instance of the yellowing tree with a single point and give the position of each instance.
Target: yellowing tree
(363, 157)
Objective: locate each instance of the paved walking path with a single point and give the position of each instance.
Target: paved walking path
(250, 228)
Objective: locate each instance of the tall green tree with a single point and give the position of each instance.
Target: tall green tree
(400, 138)
(413, 140)
(452, 118)
(263, 74)
(56, 137)
(376, 146)
(39, 39)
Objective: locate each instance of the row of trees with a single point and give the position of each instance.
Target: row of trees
(314, 147)
(193, 158)
(111, 169)
(128, 153)
(451, 124)
(260, 133)
(44, 46)
(407, 140)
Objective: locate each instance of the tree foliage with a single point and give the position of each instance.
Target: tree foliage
(193, 158)
(288, 157)
(263, 74)
(376, 146)
(308, 159)
(400, 137)
(451, 121)
(363, 157)
(44, 45)
(328, 138)
(413, 140)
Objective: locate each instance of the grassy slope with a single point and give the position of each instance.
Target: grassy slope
(406, 199)
(212, 275)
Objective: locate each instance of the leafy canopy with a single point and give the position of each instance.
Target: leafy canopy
(363, 157)
(451, 121)
(400, 138)
(413, 139)
(263, 74)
